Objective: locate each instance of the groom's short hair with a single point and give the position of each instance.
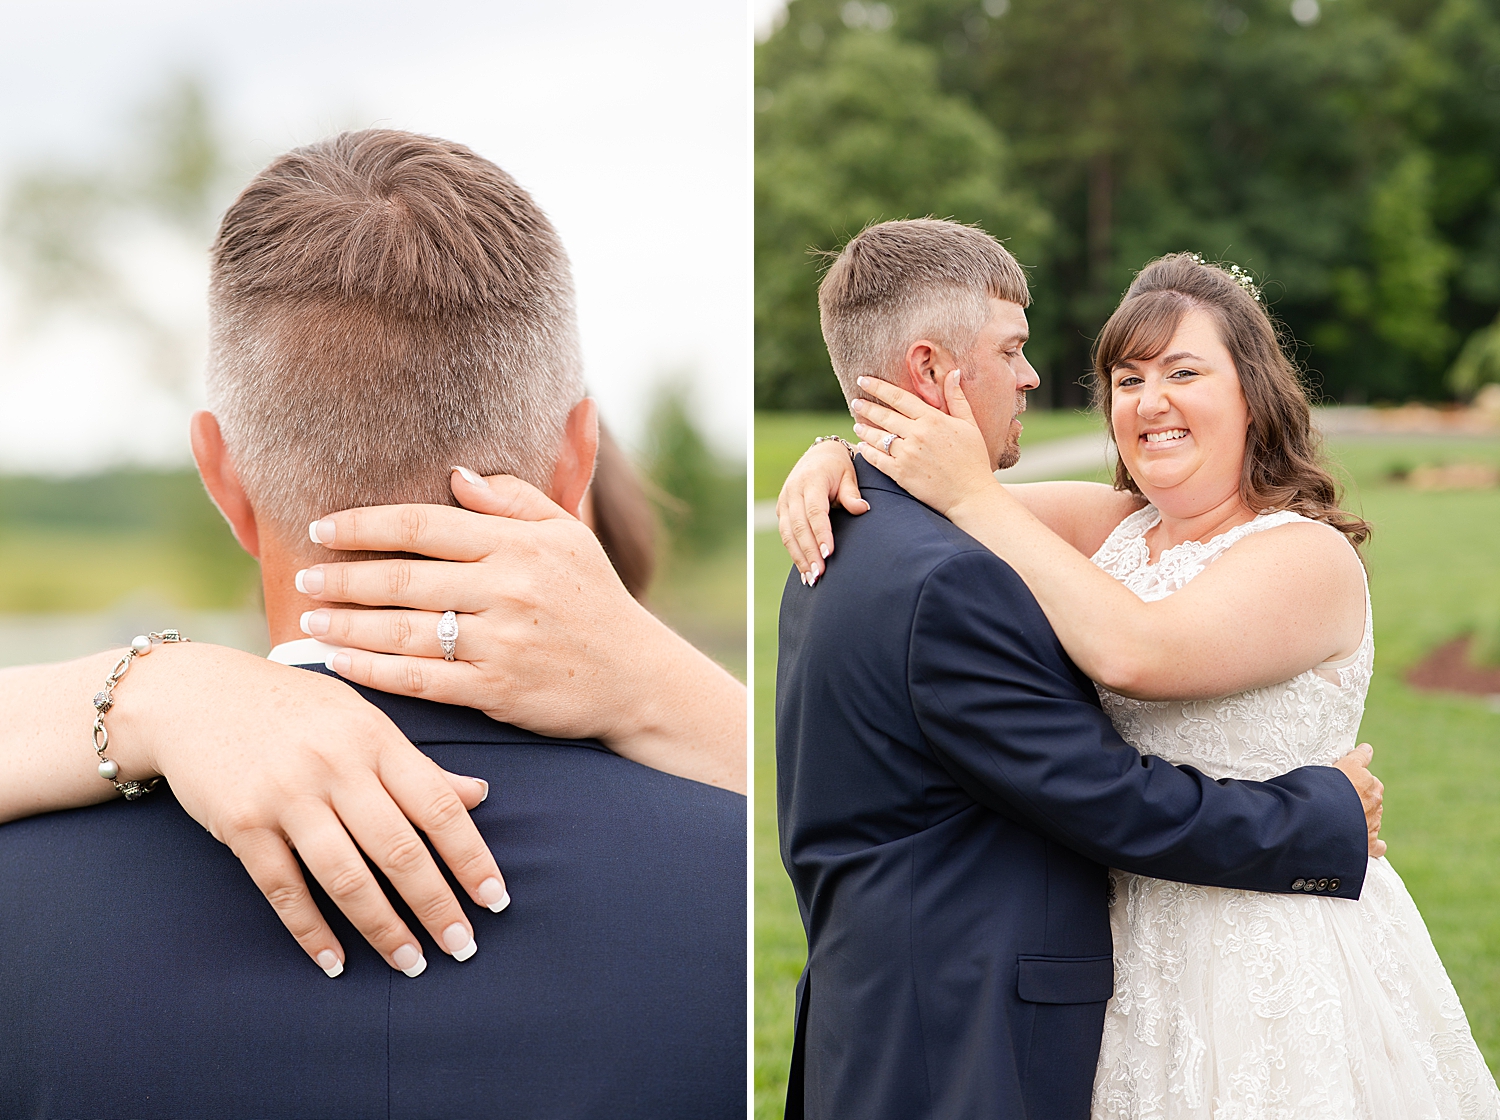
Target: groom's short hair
(383, 305)
(897, 282)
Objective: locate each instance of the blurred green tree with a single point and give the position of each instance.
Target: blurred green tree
(701, 494)
(1478, 363)
(64, 230)
(865, 137)
(1347, 152)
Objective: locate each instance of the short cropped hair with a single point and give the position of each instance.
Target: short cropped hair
(383, 306)
(897, 282)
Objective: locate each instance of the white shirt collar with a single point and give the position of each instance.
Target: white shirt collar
(304, 651)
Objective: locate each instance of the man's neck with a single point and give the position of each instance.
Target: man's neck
(285, 605)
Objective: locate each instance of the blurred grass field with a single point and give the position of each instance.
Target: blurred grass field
(87, 562)
(1434, 566)
(781, 438)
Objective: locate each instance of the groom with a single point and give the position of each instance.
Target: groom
(385, 305)
(949, 791)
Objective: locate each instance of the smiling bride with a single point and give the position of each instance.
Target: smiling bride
(1216, 596)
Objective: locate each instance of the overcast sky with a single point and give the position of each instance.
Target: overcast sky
(629, 123)
(764, 13)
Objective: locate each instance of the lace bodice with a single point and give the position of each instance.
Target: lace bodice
(1310, 720)
(1234, 1005)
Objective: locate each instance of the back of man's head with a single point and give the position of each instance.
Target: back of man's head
(898, 282)
(383, 306)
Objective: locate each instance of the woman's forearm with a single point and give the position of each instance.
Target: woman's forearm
(1106, 629)
(683, 714)
(46, 750)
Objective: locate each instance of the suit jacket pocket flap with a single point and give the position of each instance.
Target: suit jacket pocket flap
(1065, 979)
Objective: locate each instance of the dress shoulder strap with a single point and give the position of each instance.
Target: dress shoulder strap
(1273, 519)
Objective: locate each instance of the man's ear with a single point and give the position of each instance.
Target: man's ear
(927, 364)
(575, 456)
(222, 482)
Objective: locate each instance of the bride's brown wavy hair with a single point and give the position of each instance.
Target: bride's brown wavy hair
(1284, 463)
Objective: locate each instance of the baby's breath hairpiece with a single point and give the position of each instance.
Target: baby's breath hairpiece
(1239, 275)
(1245, 280)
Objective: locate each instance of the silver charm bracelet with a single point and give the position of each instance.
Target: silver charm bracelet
(140, 646)
(849, 447)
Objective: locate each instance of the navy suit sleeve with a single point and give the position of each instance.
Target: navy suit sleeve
(1007, 716)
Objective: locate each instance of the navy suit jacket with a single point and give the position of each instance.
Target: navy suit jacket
(950, 795)
(144, 975)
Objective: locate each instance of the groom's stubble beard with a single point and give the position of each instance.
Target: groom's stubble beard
(1010, 454)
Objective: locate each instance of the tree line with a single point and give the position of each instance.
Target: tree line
(1345, 152)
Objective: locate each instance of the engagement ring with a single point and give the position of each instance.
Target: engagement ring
(885, 444)
(448, 634)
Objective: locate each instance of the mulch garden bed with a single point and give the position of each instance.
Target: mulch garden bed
(1447, 669)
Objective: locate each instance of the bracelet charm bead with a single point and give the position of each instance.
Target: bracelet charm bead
(849, 447)
(140, 646)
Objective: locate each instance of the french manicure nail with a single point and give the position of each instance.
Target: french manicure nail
(460, 942)
(341, 663)
(409, 959)
(823, 551)
(315, 622)
(310, 581)
(493, 894)
(329, 962)
(484, 790)
(471, 478)
(322, 531)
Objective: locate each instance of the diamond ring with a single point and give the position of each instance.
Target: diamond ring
(448, 634)
(885, 444)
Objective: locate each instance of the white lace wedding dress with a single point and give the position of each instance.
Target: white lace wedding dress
(1232, 1005)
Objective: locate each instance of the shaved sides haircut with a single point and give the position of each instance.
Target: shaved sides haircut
(897, 282)
(382, 306)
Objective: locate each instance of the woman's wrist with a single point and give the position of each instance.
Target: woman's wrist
(155, 703)
(980, 504)
(680, 712)
(645, 688)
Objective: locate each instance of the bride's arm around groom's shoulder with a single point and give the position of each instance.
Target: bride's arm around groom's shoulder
(1019, 727)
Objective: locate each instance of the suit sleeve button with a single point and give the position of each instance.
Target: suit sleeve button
(1322, 884)
(1297, 886)
(1333, 884)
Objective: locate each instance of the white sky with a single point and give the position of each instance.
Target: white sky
(765, 13)
(629, 123)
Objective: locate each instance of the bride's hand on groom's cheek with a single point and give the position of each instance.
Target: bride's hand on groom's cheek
(940, 458)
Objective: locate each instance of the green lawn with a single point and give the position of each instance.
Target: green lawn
(1434, 564)
(85, 545)
(782, 437)
(703, 598)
